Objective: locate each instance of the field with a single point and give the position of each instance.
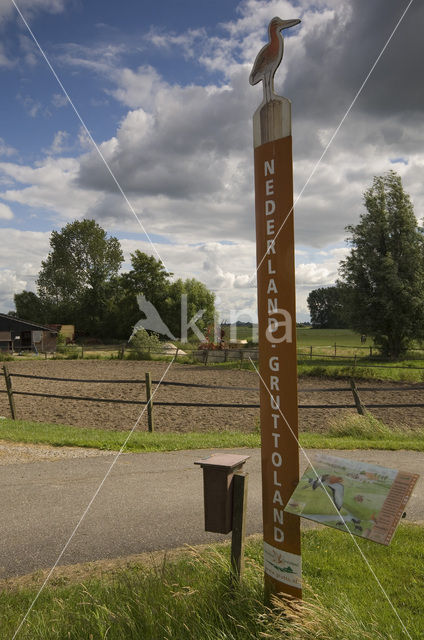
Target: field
(182, 419)
(190, 596)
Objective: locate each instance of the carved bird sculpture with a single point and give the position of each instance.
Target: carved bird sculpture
(269, 57)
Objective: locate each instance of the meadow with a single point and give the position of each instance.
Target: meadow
(192, 596)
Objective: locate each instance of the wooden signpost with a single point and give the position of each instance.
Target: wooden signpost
(277, 324)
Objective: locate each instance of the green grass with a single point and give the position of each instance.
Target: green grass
(327, 337)
(404, 372)
(348, 432)
(191, 597)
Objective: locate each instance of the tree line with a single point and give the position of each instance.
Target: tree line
(80, 283)
(380, 291)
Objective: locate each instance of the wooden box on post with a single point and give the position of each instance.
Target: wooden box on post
(218, 474)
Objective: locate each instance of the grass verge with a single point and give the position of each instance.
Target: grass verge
(348, 432)
(191, 597)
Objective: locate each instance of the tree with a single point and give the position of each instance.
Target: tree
(30, 307)
(329, 307)
(73, 279)
(385, 269)
(198, 298)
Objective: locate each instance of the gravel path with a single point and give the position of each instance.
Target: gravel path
(15, 452)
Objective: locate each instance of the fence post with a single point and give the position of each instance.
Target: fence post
(241, 358)
(359, 406)
(239, 525)
(9, 390)
(206, 356)
(335, 349)
(82, 352)
(354, 361)
(310, 352)
(370, 352)
(226, 355)
(149, 401)
(176, 353)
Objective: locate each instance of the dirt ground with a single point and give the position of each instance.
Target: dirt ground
(107, 415)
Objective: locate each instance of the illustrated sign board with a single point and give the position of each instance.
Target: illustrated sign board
(276, 321)
(349, 495)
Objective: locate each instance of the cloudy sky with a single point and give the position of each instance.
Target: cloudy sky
(163, 90)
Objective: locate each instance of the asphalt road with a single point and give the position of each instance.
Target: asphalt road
(149, 501)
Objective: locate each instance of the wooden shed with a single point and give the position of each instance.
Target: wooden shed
(22, 335)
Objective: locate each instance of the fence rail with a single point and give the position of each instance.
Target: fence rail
(358, 404)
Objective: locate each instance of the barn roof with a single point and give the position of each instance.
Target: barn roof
(35, 325)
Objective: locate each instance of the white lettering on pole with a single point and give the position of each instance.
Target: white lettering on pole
(272, 287)
(278, 320)
(277, 498)
(278, 515)
(274, 383)
(269, 207)
(269, 187)
(278, 535)
(274, 363)
(276, 458)
(271, 271)
(270, 247)
(269, 167)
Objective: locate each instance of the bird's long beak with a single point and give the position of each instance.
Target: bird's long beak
(285, 24)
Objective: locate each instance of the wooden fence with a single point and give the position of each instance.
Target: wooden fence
(150, 392)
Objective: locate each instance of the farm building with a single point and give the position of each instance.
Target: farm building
(22, 335)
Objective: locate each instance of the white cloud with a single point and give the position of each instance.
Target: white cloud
(20, 261)
(5, 149)
(183, 154)
(59, 145)
(30, 7)
(6, 212)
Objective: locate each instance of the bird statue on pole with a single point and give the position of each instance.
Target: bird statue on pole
(269, 57)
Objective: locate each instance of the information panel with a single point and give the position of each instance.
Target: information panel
(349, 495)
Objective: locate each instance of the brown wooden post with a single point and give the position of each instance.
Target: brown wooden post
(359, 406)
(82, 352)
(370, 352)
(239, 525)
(241, 358)
(149, 402)
(335, 349)
(9, 390)
(272, 143)
(205, 359)
(310, 352)
(225, 355)
(176, 353)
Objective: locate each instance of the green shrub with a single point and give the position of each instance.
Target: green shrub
(142, 343)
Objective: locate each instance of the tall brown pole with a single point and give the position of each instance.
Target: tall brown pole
(277, 322)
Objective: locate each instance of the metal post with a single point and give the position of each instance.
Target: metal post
(9, 390)
(149, 401)
(239, 525)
